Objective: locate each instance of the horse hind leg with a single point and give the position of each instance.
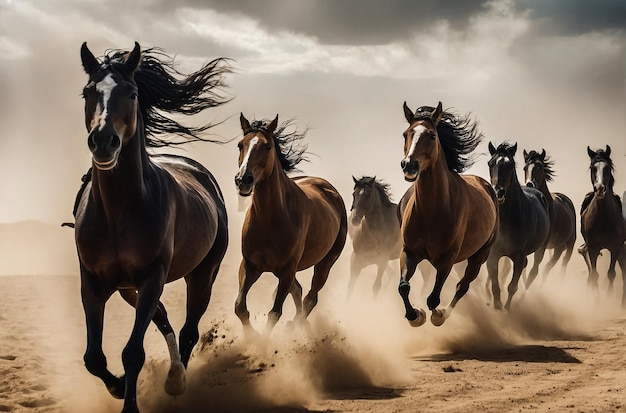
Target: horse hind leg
(175, 384)
(355, 269)
(556, 255)
(611, 272)
(381, 267)
(518, 267)
(622, 265)
(534, 271)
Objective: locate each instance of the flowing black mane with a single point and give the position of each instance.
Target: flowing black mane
(289, 146)
(383, 188)
(162, 89)
(459, 137)
(547, 162)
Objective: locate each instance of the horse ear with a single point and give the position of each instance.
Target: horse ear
(408, 113)
(90, 63)
(492, 149)
(245, 125)
(437, 113)
(525, 155)
(356, 181)
(608, 150)
(513, 149)
(132, 58)
(591, 153)
(272, 125)
(543, 155)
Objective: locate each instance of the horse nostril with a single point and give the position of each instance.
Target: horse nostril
(403, 163)
(530, 184)
(248, 179)
(115, 142)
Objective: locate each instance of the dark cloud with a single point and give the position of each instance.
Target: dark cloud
(572, 17)
(354, 22)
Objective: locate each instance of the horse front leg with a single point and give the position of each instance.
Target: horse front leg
(381, 266)
(408, 265)
(537, 258)
(356, 267)
(611, 271)
(438, 316)
(248, 275)
(493, 276)
(133, 355)
(94, 298)
(592, 280)
(622, 265)
(175, 384)
(286, 280)
(519, 263)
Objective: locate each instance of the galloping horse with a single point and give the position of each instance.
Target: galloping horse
(537, 173)
(145, 220)
(374, 229)
(450, 218)
(601, 222)
(524, 222)
(292, 223)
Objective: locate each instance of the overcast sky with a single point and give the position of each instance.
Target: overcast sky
(545, 74)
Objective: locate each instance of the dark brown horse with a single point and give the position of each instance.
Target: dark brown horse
(538, 171)
(524, 222)
(144, 220)
(450, 217)
(374, 229)
(292, 223)
(601, 221)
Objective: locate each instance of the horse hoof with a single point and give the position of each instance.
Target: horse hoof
(176, 383)
(438, 317)
(420, 318)
(119, 388)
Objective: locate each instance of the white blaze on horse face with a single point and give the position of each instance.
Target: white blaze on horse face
(599, 169)
(105, 87)
(244, 163)
(417, 132)
(529, 173)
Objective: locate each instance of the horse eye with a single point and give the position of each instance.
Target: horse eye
(133, 96)
(240, 145)
(268, 146)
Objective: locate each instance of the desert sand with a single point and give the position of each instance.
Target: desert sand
(561, 348)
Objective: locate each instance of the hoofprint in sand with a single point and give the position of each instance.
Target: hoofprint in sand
(560, 349)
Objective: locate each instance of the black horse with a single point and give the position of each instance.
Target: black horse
(524, 222)
(144, 220)
(601, 221)
(538, 171)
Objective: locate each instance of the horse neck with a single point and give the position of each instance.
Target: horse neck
(270, 195)
(381, 212)
(514, 197)
(124, 185)
(432, 187)
(543, 187)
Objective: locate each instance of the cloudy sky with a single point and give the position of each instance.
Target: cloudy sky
(545, 74)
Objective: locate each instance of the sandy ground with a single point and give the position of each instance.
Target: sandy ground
(561, 348)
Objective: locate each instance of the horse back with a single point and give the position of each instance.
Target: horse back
(563, 222)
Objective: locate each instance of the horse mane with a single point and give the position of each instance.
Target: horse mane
(505, 149)
(163, 89)
(459, 137)
(289, 146)
(547, 162)
(382, 187)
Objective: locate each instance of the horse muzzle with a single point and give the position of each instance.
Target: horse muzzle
(105, 150)
(244, 183)
(599, 191)
(500, 194)
(410, 167)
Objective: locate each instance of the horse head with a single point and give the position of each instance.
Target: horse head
(111, 105)
(256, 153)
(536, 169)
(362, 197)
(502, 168)
(601, 170)
(420, 141)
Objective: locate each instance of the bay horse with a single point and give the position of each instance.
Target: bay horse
(374, 229)
(144, 220)
(524, 222)
(538, 171)
(450, 217)
(601, 221)
(291, 224)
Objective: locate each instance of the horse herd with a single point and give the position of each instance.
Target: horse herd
(143, 220)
